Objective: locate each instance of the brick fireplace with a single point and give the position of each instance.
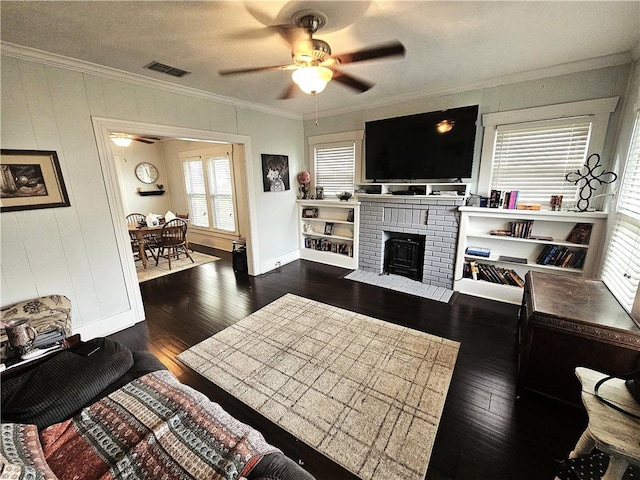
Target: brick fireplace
(436, 219)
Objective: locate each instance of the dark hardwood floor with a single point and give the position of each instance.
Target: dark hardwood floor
(485, 433)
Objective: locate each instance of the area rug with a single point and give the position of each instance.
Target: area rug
(182, 263)
(366, 393)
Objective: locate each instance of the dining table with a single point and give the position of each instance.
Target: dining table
(140, 233)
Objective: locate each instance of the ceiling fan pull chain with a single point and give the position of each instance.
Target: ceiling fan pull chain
(317, 121)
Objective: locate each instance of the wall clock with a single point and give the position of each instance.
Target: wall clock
(146, 172)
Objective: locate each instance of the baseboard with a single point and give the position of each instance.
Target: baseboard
(276, 262)
(107, 326)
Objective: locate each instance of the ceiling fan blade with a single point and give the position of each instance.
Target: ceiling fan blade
(388, 50)
(351, 82)
(254, 69)
(289, 92)
(143, 140)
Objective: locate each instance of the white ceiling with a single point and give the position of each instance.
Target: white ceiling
(450, 46)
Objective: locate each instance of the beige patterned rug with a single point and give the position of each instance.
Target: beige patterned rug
(176, 265)
(366, 393)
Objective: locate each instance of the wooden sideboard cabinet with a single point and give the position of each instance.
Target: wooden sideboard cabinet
(567, 322)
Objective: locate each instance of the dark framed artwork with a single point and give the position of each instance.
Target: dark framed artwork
(328, 228)
(31, 179)
(275, 172)
(309, 213)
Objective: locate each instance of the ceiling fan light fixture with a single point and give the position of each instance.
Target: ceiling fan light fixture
(312, 80)
(121, 139)
(445, 126)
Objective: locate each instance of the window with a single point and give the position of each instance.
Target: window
(532, 150)
(534, 158)
(208, 177)
(621, 270)
(335, 161)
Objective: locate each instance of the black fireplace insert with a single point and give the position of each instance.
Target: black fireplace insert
(404, 255)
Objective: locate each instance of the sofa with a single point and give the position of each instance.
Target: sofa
(118, 413)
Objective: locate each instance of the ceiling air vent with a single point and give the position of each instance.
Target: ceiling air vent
(162, 68)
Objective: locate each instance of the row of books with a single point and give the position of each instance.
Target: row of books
(324, 245)
(561, 257)
(520, 229)
(491, 273)
(500, 199)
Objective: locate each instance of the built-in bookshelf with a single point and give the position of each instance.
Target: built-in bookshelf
(451, 189)
(328, 231)
(496, 246)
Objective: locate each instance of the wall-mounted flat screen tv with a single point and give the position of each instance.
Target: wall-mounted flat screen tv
(428, 146)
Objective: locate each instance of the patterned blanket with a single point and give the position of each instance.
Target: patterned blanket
(153, 428)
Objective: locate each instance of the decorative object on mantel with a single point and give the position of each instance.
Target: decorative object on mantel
(588, 176)
(304, 179)
(31, 179)
(344, 196)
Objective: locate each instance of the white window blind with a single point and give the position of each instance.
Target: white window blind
(534, 158)
(621, 270)
(220, 187)
(208, 177)
(334, 167)
(196, 192)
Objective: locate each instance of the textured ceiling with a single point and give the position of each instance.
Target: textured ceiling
(450, 45)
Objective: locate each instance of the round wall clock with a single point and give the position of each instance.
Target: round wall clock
(146, 172)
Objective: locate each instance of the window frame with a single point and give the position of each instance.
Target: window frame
(629, 218)
(355, 136)
(599, 110)
(213, 151)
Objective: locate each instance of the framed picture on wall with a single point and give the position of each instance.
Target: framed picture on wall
(31, 179)
(275, 172)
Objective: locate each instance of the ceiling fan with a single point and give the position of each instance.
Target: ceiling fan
(313, 64)
(125, 139)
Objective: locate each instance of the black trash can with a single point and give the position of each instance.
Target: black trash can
(239, 256)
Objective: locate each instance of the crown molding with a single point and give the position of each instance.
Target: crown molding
(55, 60)
(553, 71)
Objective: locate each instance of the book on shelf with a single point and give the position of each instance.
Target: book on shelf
(521, 228)
(559, 256)
(541, 237)
(528, 206)
(510, 199)
(491, 273)
(505, 258)
(500, 233)
(325, 245)
(478, 251)
(580, 233)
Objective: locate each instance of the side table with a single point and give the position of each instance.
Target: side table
(23, 365)
(610, 431)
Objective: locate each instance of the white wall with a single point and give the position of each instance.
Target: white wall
(600, 83)
(126, 159)
(73, 250)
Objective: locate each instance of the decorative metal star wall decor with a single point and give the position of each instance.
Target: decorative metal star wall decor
(587, 177)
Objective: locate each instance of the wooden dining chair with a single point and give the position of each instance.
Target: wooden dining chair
(136, 218)
(150, 242)
(185, 217)
(173, 238)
